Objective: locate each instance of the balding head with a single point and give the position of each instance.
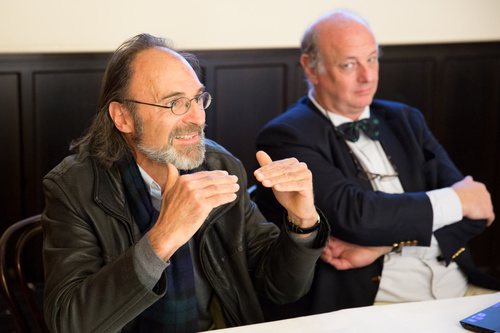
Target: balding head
(340, 60)
(335, 24)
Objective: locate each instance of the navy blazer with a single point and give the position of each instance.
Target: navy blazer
(357, 213)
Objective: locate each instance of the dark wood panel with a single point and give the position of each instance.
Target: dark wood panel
(46, 101)
(65, 103)
(26, 67)
(64, 106)
(10, 140)
(409, 82)
(469, 131)
(246, 98)
(211, 61)
(300, 86)
(469, 119)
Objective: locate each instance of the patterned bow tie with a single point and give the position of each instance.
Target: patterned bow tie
(350, 131)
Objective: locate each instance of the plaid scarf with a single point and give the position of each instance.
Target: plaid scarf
(176, 311)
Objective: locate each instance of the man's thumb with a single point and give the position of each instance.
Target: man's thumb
(263, 158)
(173, 175)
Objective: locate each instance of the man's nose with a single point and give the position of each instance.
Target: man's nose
(195, 113)
(366, 73)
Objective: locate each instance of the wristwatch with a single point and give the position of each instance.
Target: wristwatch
(298, 230)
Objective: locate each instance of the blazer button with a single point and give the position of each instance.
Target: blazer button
(376, 278)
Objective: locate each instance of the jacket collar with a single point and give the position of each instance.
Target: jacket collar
(109, 193)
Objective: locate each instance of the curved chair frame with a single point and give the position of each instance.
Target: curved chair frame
(18, 236)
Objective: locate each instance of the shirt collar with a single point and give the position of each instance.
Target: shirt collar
(337, 119)
(152, 186)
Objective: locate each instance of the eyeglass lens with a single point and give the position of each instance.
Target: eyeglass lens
(182, 105)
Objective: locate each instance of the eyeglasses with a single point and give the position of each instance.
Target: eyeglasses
(181, 105)
(367, 175)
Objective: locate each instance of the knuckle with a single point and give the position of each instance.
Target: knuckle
(197, 197)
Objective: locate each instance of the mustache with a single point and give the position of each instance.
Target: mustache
(187, 129)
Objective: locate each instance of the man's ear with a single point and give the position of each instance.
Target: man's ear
(121, 116)
(311, 72)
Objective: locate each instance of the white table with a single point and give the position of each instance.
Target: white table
(441, 316)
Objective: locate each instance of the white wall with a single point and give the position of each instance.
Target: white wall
(101, 25)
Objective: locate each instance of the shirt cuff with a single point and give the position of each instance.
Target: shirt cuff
(446, 207)
(149, 267)
(307, 241)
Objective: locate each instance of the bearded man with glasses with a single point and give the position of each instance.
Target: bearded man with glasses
(148, 226)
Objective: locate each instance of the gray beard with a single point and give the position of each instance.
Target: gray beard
(190, 157)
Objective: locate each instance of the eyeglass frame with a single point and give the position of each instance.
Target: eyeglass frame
(363, 174)
(367, 175)
(198, 98)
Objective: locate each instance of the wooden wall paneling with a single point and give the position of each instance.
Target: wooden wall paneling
(494, 264)
(65, 103)
(35, 157)
(469, 119)
(30, 198)
(47, 100)
(250, 87)
(207, 78)
(299, 84)
(470, 130)
(10, 151)
(247, 97)
(289, 58)
(408, 81)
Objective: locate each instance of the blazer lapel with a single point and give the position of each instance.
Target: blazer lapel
(400, 144)
(338, 149)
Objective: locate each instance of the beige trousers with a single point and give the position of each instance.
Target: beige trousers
(472, 290)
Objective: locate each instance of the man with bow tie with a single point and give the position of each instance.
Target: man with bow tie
(380, 177)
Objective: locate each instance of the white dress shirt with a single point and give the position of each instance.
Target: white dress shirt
(415, 274)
